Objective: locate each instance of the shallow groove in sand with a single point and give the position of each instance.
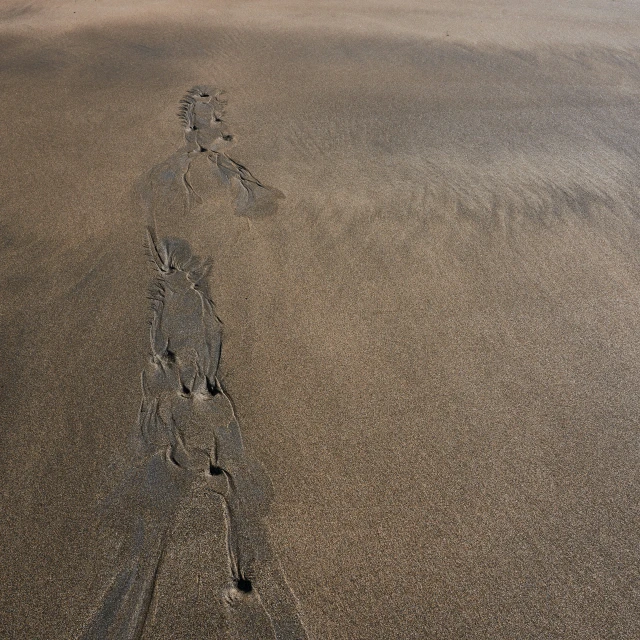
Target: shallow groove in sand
(187, 435)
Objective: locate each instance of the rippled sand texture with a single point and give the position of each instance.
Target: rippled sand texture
(431, 343)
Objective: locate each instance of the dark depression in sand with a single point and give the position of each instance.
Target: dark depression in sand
(320, 320)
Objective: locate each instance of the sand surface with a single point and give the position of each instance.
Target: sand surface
(352, 354)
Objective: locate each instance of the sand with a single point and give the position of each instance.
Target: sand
(356, 357)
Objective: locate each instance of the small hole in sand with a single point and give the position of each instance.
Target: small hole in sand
(244, 585)
(215, 471)
(227, 137)
(211, 388)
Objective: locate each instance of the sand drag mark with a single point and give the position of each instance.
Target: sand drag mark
(207, 136)
(187, 437)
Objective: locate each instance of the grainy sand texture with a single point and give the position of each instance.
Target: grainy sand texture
(320, 320)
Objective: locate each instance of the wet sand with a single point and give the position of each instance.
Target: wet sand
(415, 339)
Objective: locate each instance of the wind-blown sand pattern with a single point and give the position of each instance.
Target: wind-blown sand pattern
(167, 187)
(432, 349)
(187, 438)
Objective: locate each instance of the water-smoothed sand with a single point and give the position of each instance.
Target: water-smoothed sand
(396, 393)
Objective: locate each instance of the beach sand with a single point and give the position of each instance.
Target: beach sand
(429, 324)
